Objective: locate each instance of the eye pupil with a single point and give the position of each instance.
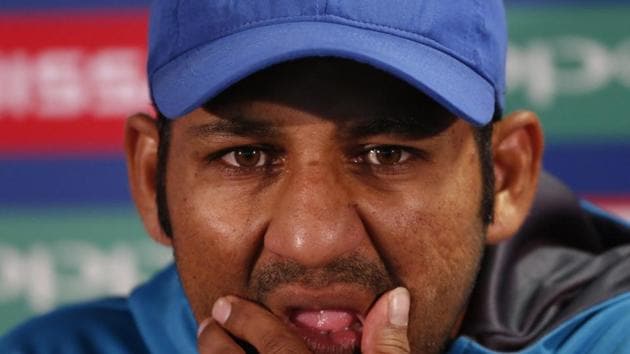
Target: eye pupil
(247, 157)
(388, 155)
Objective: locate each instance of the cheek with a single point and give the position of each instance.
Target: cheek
(434, 218)
(215, 237)
(431, 237)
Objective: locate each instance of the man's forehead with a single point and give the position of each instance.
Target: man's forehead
(261, 122)
(265, 125)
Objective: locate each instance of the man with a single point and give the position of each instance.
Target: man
(335, 177)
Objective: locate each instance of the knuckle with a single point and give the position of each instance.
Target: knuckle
(214, 341)
(224, 349)
(206, 339)
(392, 344)
(262, 330)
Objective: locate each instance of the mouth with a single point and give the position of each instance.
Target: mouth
(328, 330)
(330, 320)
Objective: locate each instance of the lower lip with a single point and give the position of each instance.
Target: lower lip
(346, 340)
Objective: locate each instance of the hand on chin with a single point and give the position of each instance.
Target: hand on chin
(303, 330)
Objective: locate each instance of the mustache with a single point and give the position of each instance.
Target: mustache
(350, 269)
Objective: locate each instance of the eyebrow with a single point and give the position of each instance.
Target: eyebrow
(406, 126)
(410, 127)
(235, 126)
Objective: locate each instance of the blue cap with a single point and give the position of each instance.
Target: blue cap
(453, 51)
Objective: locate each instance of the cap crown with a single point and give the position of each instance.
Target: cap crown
(472, 31)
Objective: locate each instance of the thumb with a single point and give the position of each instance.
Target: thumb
(385, 327)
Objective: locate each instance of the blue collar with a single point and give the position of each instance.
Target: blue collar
(163, 314)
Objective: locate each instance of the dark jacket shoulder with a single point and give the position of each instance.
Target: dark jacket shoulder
(568, 259)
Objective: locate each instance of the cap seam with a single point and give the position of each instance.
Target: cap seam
(481, 28)
(273, 20)
(410, 36)
(416, 37)
(244, 26)
(230, 31)
(477, 32)
(321, 18)
(177, 26)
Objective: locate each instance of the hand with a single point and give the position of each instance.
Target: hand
(249, 322)
(385, 327)
(384, 330)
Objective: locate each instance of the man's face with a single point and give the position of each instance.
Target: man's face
(315, 187)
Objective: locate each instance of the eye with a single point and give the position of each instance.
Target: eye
(386, 155)
(247, 157)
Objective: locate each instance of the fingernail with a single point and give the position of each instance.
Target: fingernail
(202, 326)
(221, 310)
(398, 307)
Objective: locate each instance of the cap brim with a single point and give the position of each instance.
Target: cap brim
(191, 79)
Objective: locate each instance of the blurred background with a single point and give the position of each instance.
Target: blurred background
(72, 70)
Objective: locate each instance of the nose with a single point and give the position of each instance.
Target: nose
(315, 220)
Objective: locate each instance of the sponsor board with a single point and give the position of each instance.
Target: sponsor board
(572, 66)
(68, 80)
(66, 86)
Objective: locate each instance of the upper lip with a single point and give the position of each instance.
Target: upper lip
(346, 297)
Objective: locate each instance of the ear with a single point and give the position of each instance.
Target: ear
(141, 146)
(517, 146)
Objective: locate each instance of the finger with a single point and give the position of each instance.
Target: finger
(385, 327)
(213, 339)
(256, 326)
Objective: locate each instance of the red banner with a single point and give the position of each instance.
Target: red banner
(67, 81)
